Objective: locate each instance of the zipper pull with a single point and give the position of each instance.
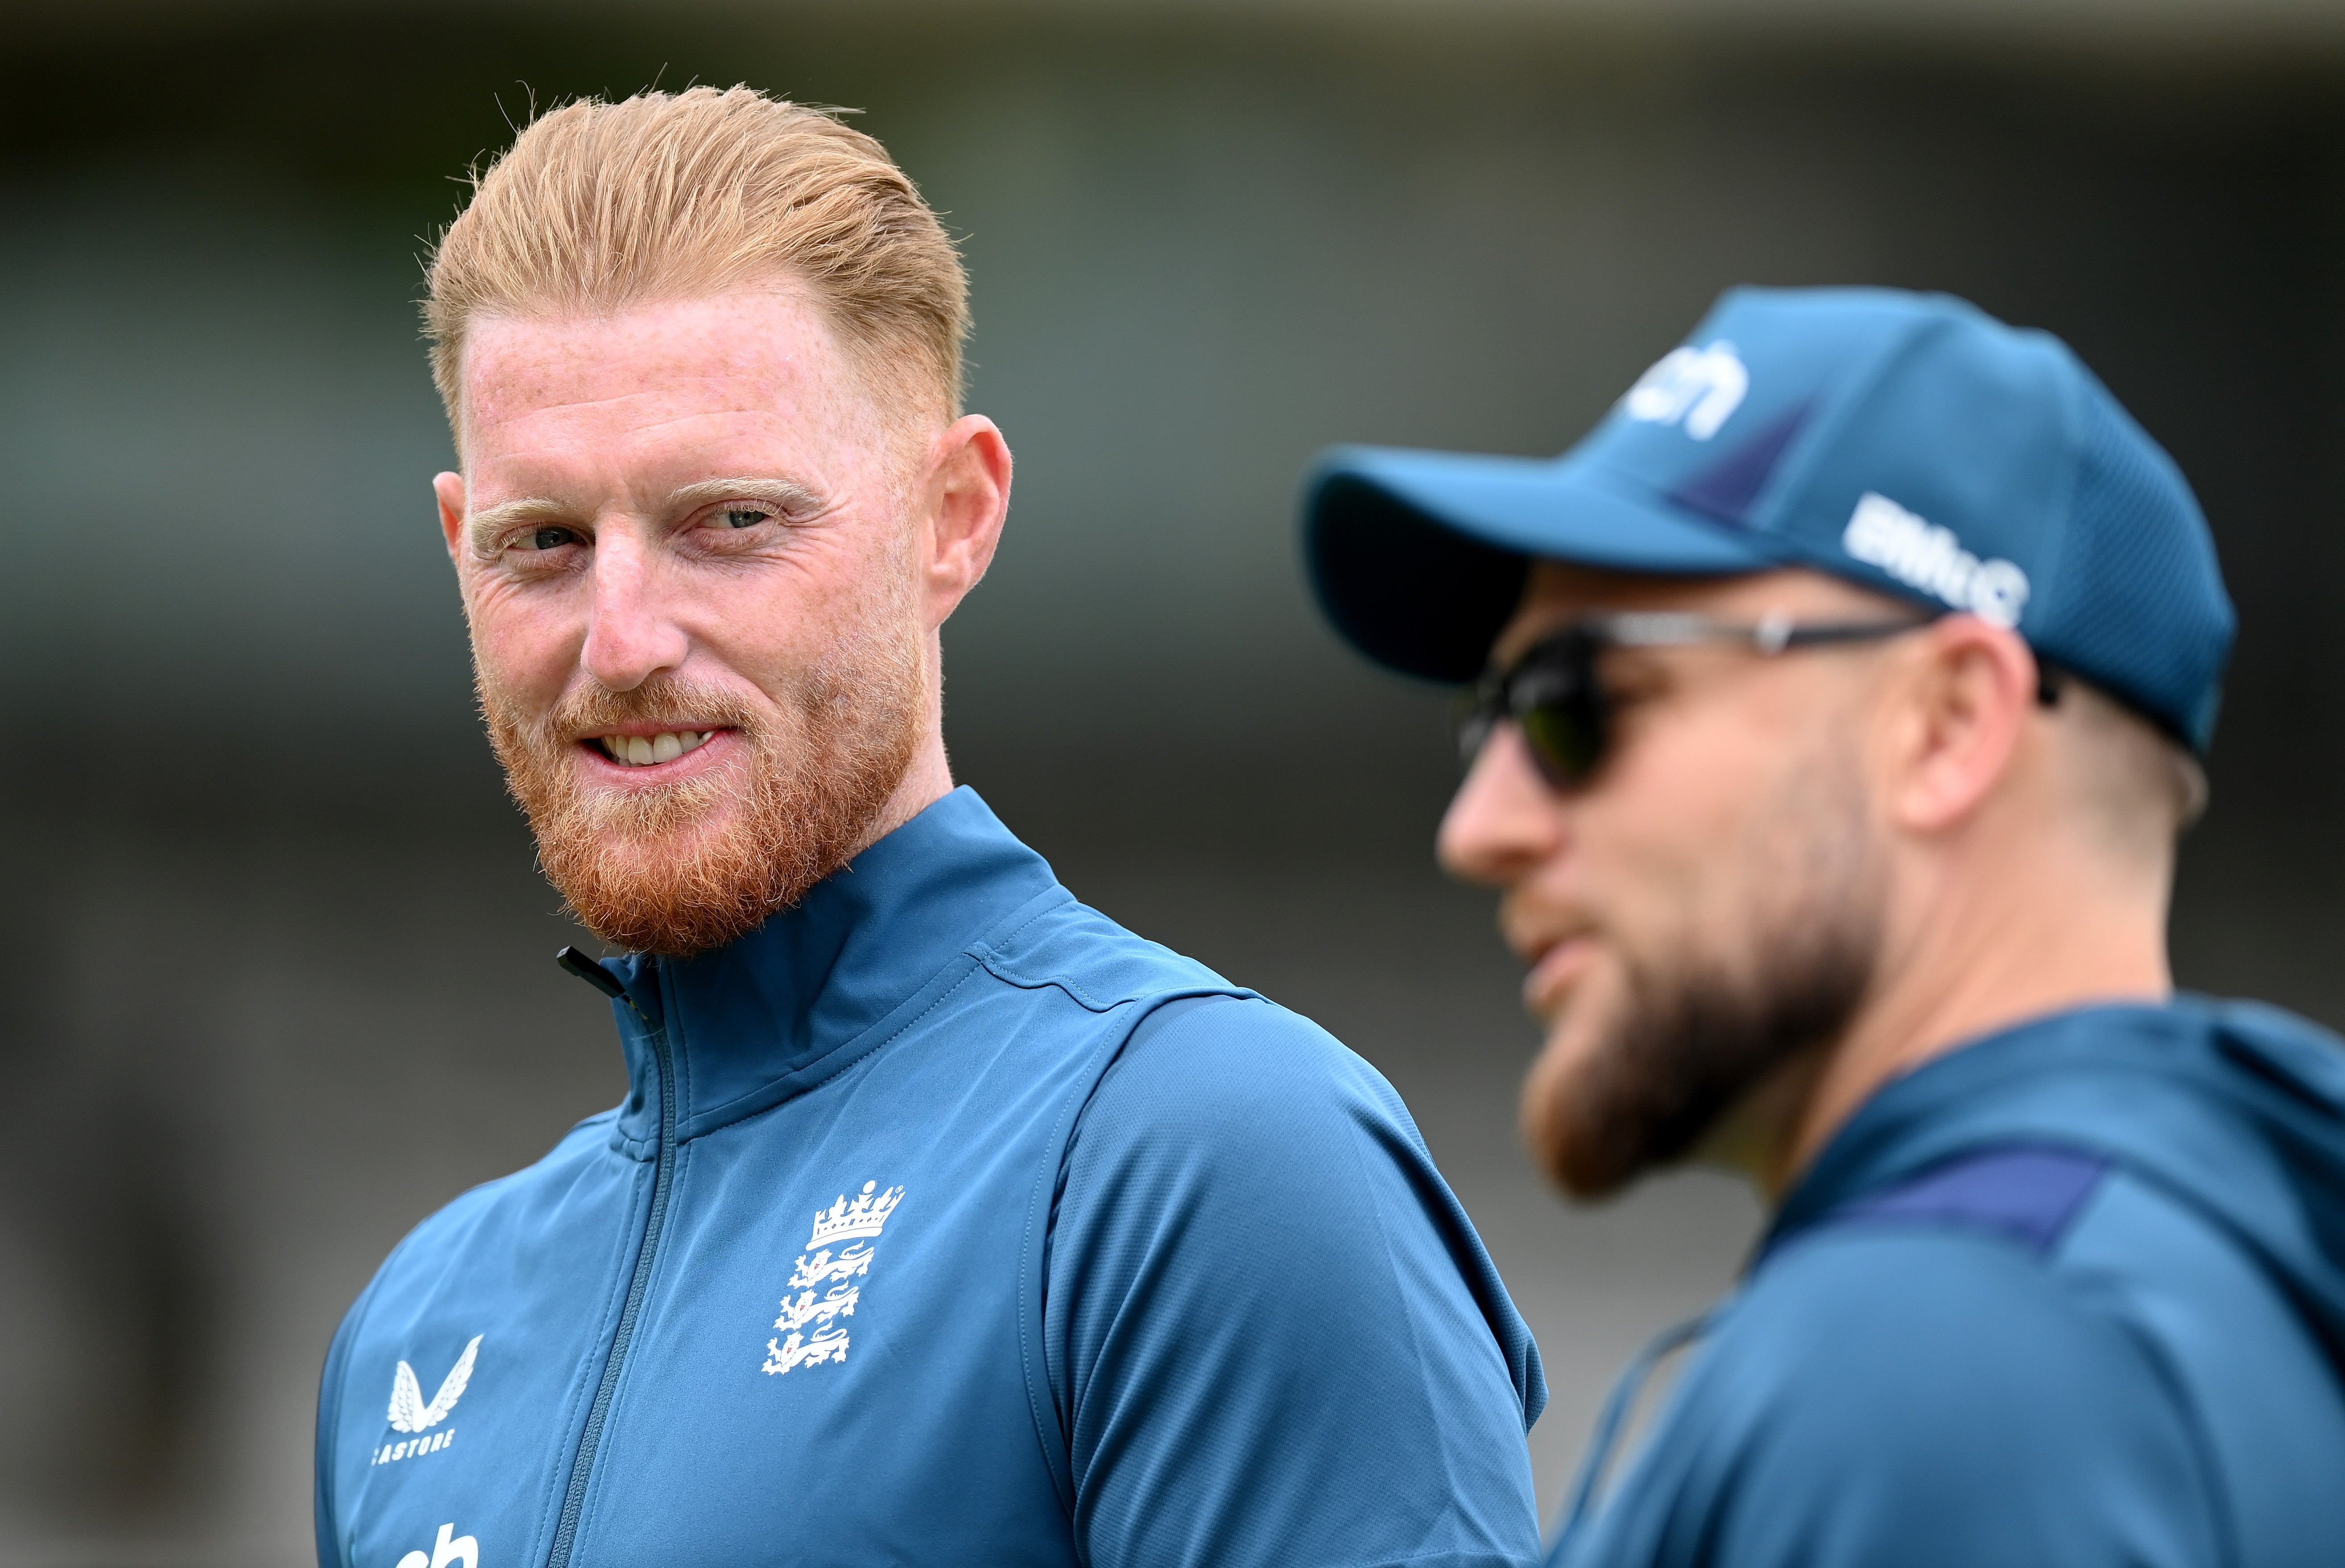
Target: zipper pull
(591, 970)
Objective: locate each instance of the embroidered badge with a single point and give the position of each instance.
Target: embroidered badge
(837, 1254)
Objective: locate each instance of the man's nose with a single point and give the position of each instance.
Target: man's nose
(630, 635)
(1504, 819)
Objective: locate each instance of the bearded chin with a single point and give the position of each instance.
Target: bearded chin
(1684, 1050)
(680, 868)
(1637, 1073)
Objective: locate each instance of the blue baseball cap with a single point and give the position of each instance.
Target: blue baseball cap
(1909, 443)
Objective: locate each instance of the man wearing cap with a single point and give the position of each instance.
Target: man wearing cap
(1842, 697)
(945, 1222)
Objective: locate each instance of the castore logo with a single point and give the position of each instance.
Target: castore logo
(409, 1414)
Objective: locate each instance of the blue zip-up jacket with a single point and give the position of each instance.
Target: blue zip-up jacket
(945, 1222)
(2073, 1294)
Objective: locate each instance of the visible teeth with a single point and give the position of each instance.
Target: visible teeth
(647, 751)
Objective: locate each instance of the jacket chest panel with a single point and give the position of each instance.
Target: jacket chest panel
(833, 1342)
(827, 1364)
(463, 1396)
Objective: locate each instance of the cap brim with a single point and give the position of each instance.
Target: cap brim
(1419, 557)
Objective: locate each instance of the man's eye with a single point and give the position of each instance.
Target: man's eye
(740, 517)
(548, 538)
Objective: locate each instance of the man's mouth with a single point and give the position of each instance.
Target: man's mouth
(650, 751)
(1556, 966)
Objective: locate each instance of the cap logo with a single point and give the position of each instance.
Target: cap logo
(1697, 387)
(1921, 555)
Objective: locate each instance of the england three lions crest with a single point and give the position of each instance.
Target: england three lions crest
(827, 1283)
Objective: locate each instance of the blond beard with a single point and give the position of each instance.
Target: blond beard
(681, 868)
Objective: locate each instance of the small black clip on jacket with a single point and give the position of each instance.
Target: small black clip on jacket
(591, 970)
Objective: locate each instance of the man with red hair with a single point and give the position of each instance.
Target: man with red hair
(945, 1222)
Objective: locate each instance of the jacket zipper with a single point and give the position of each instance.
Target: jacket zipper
(589, 1441)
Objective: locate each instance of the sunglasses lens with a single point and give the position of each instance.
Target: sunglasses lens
(1564, 739)
(1552, 696)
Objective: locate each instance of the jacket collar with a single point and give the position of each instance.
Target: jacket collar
(1991, 1091)
(775, 1011)
(2237, 1107)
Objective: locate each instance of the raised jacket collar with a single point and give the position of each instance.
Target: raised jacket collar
(775, 1011)
(2235, 1108)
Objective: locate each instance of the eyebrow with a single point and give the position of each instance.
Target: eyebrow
(481, 527)
(798, 500)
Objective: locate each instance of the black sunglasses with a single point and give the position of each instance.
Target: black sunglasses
(1555, 693)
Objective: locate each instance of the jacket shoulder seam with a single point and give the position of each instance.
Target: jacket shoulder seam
(1064, 975)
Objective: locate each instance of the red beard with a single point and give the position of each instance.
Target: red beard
(685, 867)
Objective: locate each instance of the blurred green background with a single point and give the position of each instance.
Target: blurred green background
(279, 965)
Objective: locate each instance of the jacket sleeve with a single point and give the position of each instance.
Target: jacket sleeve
(1271, 1333)
(1923, 1397)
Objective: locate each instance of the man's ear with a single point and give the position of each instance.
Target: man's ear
(450, 489)
(1960, 708)
(968, 501)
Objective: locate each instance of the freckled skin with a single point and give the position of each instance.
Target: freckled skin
(610, 580)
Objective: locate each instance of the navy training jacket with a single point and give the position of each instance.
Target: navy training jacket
(945, 1222)
(2073, 1294)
